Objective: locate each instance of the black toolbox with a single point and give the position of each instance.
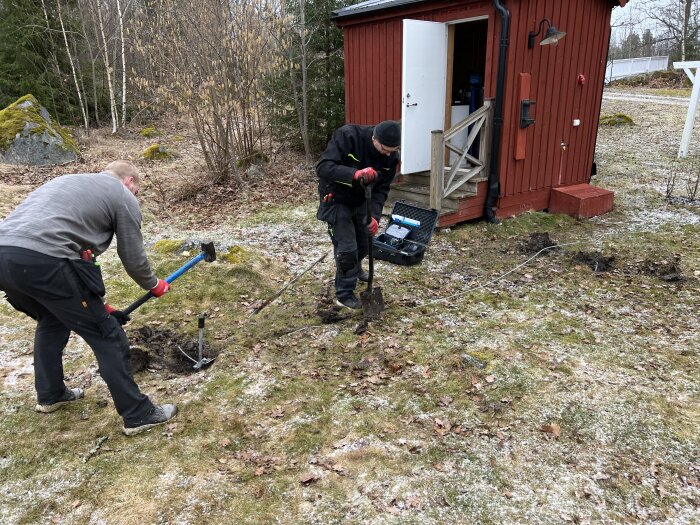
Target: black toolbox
(406, 238)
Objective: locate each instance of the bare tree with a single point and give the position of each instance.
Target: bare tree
(210, 63)
(123, 55)
(108, 66)
(679, 20)
(72, 65)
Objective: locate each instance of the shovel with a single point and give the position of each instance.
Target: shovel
(371, 298)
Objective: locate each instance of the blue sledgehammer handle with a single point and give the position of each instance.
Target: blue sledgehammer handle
(177, 273)
(170, 278)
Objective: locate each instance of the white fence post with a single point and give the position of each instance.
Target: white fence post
(692, 107)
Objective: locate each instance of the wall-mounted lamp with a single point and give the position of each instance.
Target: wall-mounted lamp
(551, 36)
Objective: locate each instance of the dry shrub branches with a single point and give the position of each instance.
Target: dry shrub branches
(210, 61)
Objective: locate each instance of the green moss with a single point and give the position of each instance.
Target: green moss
(168, 246)
(615, 120)
(13, 119)
(149, 132)
(157, 152)
(236, 255)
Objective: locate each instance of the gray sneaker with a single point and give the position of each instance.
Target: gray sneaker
(69, 395)
(363, 276)
(351, 302)
(158, 415)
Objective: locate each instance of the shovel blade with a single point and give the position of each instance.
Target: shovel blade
(372, 302)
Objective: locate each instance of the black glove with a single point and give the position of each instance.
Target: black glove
(120, 316)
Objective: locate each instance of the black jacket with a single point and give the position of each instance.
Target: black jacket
(351, 149)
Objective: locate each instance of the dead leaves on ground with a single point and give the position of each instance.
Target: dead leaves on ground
(552, 430)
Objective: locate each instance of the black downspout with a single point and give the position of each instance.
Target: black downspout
(494, 184)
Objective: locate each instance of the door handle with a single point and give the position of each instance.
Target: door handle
(410, 105)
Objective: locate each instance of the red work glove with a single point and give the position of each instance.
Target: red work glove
(120, 316)
(160, 289)
(366, 175)
(373, 227)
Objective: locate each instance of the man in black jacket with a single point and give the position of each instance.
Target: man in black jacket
(356, 155)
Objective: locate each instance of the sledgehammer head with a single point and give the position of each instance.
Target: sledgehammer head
(209, 251)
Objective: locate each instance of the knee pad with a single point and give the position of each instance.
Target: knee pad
(346, 261)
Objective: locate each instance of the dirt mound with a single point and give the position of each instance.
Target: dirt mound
(596, 261)
(158, 350)
(328, 311)
(537, 242)
(665, 270)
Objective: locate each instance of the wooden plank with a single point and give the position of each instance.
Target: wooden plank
(471, 119)
(437, 170)
(462, 179)
(420, 189)
(485, 139)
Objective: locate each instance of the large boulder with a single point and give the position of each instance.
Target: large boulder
(29, 136)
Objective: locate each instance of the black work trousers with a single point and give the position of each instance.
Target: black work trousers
(54, 292)
(347, 227)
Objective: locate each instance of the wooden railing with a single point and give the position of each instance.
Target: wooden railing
(446, 179)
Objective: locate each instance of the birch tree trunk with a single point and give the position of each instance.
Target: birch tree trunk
(108, 69)
(72, 66)
(121, 36)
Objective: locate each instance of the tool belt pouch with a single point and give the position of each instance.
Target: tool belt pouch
(403, 243)
(90, 275)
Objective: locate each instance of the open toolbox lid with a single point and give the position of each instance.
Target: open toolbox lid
(426, 216)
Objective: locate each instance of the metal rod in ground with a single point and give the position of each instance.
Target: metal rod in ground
(201, 338)
(290, 283)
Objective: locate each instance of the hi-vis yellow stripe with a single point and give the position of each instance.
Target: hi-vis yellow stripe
(353, 157)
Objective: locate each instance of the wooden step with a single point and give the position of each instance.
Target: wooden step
(423, 177)
(468, 190)
(419, 195)
(415, 178)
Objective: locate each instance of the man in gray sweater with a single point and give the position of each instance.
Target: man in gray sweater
(47, 271)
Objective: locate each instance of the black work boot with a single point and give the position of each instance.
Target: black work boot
(351, 302)
(157, 416)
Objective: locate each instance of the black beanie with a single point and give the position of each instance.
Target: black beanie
(388, 133)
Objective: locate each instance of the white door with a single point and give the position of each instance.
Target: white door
(424, 70)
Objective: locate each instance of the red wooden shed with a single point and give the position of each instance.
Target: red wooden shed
(494, 123)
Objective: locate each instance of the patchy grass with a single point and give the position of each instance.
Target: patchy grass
(489, 393)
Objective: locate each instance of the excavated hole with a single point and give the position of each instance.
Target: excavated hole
(666, 270)
(153, 349)
(596, 261)
(537, 242)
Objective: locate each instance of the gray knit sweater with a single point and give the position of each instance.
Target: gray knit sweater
(78, 212)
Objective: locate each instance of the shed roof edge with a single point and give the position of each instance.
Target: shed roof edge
(370, 6)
